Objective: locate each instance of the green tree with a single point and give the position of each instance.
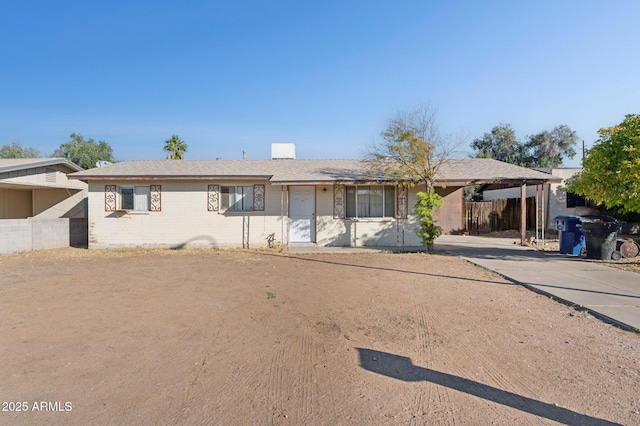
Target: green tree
(411, 153)
(500, 144)
(85, 153)
(549, 149)
(611, 169)
(544, 149)
(175, 147)
(16, 150)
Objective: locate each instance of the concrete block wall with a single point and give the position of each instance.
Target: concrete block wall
(15, 235)
(18, 235)
(50, 233)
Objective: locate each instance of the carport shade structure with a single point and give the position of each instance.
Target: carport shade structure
(483, 171)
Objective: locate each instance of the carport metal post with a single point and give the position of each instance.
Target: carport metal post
(523, 212)
(541, 222)
(542, 213)
(537, 214)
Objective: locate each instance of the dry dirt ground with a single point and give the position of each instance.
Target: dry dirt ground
(249, 337)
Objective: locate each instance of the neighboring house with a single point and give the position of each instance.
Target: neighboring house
(554, 196)
(39, 206)
(38, 187)
(255, 203)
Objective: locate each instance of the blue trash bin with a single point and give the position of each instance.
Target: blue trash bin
(571, 235)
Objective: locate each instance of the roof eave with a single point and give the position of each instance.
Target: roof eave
(299, 182)
(48, 162)
(173, 177)
(484, 181)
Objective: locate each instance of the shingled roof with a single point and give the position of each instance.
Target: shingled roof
(453, 172)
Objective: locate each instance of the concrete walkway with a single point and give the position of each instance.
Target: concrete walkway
(608, 293)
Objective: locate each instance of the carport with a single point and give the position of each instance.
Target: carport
(461, 173)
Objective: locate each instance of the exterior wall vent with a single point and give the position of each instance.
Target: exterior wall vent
(283, 151)
(50, 175)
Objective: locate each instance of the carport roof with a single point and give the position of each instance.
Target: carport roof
(455, 172)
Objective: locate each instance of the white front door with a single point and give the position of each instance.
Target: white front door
(302, 214)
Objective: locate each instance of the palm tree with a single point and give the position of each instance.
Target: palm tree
(176, 148)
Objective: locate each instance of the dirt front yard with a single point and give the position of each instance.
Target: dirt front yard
(239, 337)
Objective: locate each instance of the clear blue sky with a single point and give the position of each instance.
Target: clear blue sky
(228, 76)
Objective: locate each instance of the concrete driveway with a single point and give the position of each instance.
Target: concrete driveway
(608, 293)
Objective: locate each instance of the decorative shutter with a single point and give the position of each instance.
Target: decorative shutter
(401, 202)
(213, 195)
(258, 197)
(338, 201)
(109, 198)
(156, 198)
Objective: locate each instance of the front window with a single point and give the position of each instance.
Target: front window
(370, 201)
(126, 198)
(134, 198)
(236, 198)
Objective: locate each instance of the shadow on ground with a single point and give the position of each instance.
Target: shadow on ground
(404, 271)
(401, 368)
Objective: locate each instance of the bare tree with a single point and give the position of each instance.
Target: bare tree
(413, 149)
(411, 153)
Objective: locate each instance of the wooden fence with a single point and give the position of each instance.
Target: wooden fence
(497, 215)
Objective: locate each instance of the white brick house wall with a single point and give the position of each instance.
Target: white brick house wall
(184, 220)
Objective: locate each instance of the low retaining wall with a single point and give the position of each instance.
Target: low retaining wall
(18, 235)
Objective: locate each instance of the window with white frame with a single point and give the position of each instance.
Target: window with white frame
(236, 198)
(134, 198)
(370, 201)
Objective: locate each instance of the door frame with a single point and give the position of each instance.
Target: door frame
(312, 219)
